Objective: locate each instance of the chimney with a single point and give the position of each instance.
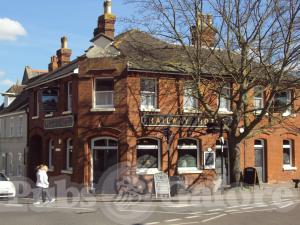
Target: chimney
(53, 65)
(64, 53)
(106, 22)
(203, 33)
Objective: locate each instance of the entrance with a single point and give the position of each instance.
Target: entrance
(226, 178)
(105, 159)
(259, 156)
(34, 156)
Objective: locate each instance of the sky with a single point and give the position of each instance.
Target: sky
(30, 32)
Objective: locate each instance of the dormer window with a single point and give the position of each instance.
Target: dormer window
(104, 93)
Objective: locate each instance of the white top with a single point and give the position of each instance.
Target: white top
(42, 179)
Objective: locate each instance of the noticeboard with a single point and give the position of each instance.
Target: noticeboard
(162, 184)
(250, 176)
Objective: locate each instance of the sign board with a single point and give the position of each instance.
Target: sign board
(154, 120)
(162, 184)
(250, 176)
(59, 122)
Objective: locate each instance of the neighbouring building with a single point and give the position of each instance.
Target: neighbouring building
(13, 126)
(112, 105)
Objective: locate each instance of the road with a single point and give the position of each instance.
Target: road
(70, 212)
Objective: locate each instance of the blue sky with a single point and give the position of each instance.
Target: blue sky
(30, 31)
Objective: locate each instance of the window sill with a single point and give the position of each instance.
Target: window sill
(49, 115)
(69, 171)
(150, 171)
(191, 111)
(289, 168)
(34, 117)
(149, 110)
(209, 167)
(66, 112)
(225, 112)
(107, 109)
(190, 170)
(286, 114)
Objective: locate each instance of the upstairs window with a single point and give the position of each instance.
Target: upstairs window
(258, 98)
(282, 102)
(68, 94)
(148, 94)
(20, 126)
(36, 107)
(190, 100)
(11, 127)
(104, 93)
(224, 98)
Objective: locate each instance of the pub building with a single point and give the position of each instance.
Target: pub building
(113, 104)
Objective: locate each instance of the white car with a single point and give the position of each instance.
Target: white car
(7, 188)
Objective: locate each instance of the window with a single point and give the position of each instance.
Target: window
(104, 93)
(69, 151)
(190, 101)
(188, 155)
(11, 127)
(20, 126)
(224, 104)
(287, 153)
(36, 104)
(3, 163)
(20, 164)
(148, 155)
(148, 94)
(258, 98)
(50, 154)
(282, 102)
(9, 164)
(68, 93)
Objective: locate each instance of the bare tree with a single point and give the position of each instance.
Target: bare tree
(252, 44)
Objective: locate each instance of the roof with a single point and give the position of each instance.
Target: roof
(30, 73)
(18, 104)
(14, 90)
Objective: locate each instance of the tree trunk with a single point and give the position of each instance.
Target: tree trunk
(234, 154)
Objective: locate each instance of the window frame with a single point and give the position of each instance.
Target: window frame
(155, 93)
(110, 106)
(188, 97)
(290, 146)
(50, 154)
(288, 110)
(227, 87)
(11, 127)
(69, 149)
(69, 96)
(258, 95)
(36, 105)
(149, 171)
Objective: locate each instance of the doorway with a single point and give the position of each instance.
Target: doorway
(226, 171)
(259, 159)
(104, 164)
(34, 156)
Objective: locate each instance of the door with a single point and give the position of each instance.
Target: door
(226, 178)
(259, 159)
(105, 159)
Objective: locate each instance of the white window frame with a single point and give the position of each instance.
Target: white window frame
(290, 147)
(183, 170)
(108, 107)
(142, 93)
(288, 110)
(149, 171)
(50, 154)
(68, 150)
(70, 94)
(258, 98)
(225, 95)
(210, 167)
(188, 98)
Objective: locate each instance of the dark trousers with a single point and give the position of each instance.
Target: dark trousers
(42, 192)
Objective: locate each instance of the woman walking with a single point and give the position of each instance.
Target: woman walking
(42, 185)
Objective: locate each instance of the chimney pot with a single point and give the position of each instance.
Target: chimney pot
(64, 42)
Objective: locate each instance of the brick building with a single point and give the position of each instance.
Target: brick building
(112, 105)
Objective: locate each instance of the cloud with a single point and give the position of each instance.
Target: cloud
(6, 82)
(10, 29)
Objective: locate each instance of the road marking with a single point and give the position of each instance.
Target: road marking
(232, 207)
(155, 211)
(64, 207)
(213, 218)
(260, 206)
(257, 210)
(172, 220)
(213, 210)
(210, 214)
(247, 208)
(185, 223)
(191, 217)
(14, 205)
(232, 210)
(285, 206)
(152, 223)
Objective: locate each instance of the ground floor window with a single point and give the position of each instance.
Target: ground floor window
(69, 151)
(50, 154)
(287, 153)
(188, 154)
(20, 164)
(148, 155)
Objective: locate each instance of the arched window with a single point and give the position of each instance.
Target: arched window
(69, 151)
(188, 154)
(50, 154)
(148, 155)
